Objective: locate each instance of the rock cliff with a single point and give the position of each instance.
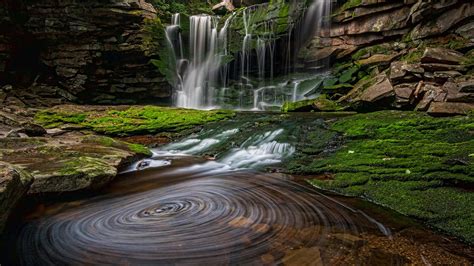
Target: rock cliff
(82, 51)
(399, 55)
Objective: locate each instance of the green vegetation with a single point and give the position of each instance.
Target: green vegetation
(166, 8)
(302, 106)
(385, 49)
(350, 4)
(110, 142)
(129, 121)
(414, 56)
(418, 165)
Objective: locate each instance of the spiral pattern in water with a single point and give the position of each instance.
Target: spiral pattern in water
(237, 218)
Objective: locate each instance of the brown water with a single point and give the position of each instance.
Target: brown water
(195, 213)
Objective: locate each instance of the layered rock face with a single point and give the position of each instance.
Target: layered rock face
(81, 51)
(14, 183)
(400, 54)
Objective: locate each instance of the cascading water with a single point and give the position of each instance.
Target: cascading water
(196, 92)
(203, 80)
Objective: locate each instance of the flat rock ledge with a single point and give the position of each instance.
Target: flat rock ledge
(68, 163)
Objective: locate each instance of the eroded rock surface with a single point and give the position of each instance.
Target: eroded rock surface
(81, 51)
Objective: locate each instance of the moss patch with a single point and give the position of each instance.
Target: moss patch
(320, 104)
(130, 120)
(415, 164)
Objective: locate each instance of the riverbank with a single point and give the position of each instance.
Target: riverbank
(415, 164)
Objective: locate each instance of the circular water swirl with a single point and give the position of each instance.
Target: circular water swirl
(238, 218)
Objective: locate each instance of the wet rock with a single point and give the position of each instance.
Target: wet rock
(32, 130)
(442, 56)
(13, 134)
(14, 183)
(450, 108)
(68, 163)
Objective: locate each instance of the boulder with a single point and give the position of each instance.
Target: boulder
(450, 108)
(380, 90)
(14, 183)
(404, 94)
(380, 95)
(402, 71)
(430, 93)
(442, 56)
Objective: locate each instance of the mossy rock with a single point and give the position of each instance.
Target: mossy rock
(128, 120)
(72, 163)
(320, 104)
(415, 164)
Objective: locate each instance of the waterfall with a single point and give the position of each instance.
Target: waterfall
(315, 19)
(203, 77)
(196, 86)
(175, 43)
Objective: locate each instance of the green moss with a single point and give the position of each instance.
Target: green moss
(133, 120)
(413, 56)
(457, 43)
(322, 104)
(110, 142)
(85, 167)
(415, 164)
(53, 119)
(350, 4)
(301, 106)
(376, 49)
(469, 59)
(348, 75)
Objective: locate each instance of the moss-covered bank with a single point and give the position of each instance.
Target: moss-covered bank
(417, 165)
(127, 120)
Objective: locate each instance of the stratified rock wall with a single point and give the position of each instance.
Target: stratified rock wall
(82, 51)
(410, 55)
